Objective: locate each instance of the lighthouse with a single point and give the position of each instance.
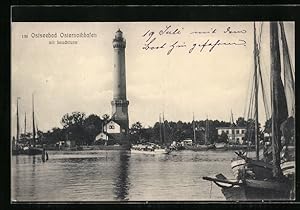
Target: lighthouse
(119, 103)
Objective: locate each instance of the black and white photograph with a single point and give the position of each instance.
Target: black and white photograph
(152, 111)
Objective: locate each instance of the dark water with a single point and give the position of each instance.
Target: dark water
(118, 175)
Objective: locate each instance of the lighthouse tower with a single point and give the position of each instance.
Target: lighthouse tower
(119, 102)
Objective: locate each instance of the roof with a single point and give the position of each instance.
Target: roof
(112, 120)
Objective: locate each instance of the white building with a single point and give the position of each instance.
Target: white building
(101, 136)
(235, 134)
(112, 127)
(111, 131)
(187, 142)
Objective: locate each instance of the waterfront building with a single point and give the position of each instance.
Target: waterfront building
(187, 142)
(111, 132)
(236, 134)
(101, 137)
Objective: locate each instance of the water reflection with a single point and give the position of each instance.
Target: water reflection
(117, 176)
(33, 174)
(122, 183)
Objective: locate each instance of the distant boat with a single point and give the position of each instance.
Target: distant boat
(219, 146)
(148, 148)
(31, 149)
(16, 149)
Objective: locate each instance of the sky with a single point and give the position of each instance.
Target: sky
(78, 77)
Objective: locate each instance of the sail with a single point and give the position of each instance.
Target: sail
(279, 105)
(289, 84)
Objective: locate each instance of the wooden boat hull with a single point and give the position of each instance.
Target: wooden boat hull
(251, 189)
(236, 166)
(247, 193)
(261, 169)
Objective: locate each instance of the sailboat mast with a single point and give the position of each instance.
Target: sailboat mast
(194, 130)
(206, 131)
(160, 134)
(18, 124)
(232, 127)
(164, 134)
(277, 98)
(256, 96)
(25, 124)
(33, 123)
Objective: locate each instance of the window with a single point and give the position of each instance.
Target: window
(111, 127)
(227, 132)
(237, 131)
(243, 131)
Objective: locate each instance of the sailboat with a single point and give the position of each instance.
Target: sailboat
(260, 167)
(16, 150)
(250, 183)
(31, 149)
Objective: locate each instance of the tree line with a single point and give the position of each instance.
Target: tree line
(83, 129)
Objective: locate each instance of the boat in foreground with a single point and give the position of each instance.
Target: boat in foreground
(274, 180)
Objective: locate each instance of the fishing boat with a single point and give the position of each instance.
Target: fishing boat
(31, 149)
(262, 167)
(16, 148)
(255, 179)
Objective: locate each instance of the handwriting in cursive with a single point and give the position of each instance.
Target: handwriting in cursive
(211, 31)
(150, 46)
(168, 30)
(175, 45)
(230, 31)
(211, 45)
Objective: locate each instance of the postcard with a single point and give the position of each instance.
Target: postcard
(152, 111)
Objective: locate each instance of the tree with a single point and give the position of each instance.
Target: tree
(136, 131)
(241, 122)
(223, 137)
(73, 127)
(250, 132)
(92, 126)
(76, 118)
(136, 127)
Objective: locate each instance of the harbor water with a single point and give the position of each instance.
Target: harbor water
(115, 175)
